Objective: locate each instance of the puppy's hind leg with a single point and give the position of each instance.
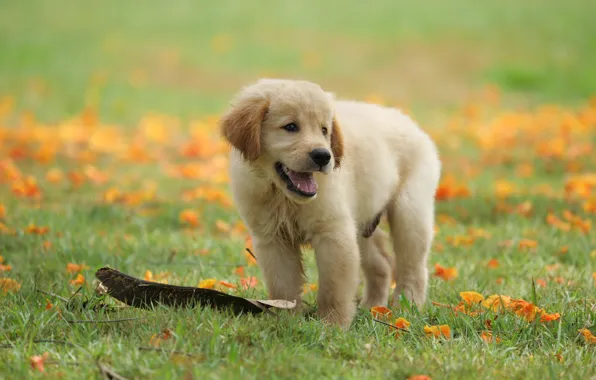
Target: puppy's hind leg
(377, 268)
(411, 219)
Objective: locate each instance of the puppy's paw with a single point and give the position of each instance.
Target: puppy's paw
(413, 294)
(337, 315)
(377, 300)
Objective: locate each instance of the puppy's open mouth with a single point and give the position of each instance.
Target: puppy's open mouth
(302, 183)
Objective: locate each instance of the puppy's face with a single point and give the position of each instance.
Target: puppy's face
(287, 130)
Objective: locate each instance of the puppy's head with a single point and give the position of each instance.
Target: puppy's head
(286, 129)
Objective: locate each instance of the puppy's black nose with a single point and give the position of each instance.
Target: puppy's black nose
(320, 156)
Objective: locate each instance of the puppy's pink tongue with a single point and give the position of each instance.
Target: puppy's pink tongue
(305, 182)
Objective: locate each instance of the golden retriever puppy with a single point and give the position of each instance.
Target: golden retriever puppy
(306, 168)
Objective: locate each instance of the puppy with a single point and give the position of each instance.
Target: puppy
(306, 168)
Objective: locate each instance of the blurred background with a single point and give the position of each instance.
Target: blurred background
(187, 57)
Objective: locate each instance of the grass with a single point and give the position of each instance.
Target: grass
(125, 181)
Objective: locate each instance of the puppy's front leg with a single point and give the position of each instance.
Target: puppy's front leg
(337, 256)
(281, 263)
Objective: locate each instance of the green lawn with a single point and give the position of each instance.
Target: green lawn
(114, 181)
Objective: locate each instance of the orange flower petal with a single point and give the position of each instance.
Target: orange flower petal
(380, 312)
(549, 317)
(471, 298)
(446, 274)
(401, 323)
(208, 283)
(438, 331)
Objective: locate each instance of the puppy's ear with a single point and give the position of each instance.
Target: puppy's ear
(337, 143)
(241, 125)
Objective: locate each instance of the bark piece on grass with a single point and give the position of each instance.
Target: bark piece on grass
(143, 294)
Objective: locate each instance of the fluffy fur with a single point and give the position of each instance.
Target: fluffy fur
(381, 163)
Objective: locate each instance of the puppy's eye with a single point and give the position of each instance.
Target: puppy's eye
(292, 127)
(324, 131)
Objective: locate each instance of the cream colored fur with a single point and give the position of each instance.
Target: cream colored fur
(386, 164)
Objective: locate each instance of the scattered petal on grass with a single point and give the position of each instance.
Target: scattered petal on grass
(525, 309)
(75, 268)
(402, 323)
(9, 285)
(5, 268)
(450, 188)
(308, 288)
(445, 273)
(380, 312)
(79, 280)
(249, 282)
(162, 277)
(541, 282)
(419, 377)
(2, 211)
(189, 217)
(222, 226)
(549, 317)
(208, 283)
(471, 298)
(227, 284)
(26, 187)
(527, 244)
(487, 336)
(493, 263)
(438, 331)
(588, 336)
(156, 339)
(459, 240)
(496, 302)
(37, 230)
(37, 361)
(54, 175)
